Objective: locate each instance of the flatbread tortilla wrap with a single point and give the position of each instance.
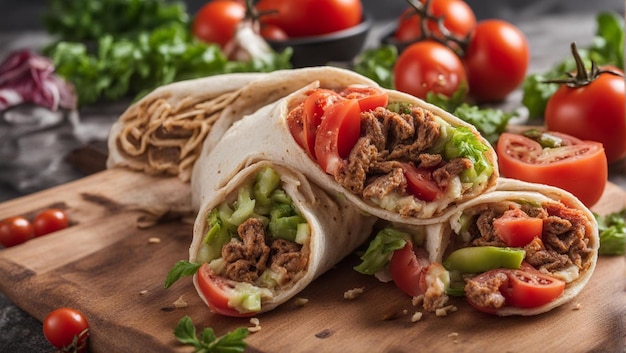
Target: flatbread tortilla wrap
(519, 234)
(397, 158)
(165, 131)
(264, 233)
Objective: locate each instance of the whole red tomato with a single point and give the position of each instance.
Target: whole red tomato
(458, 18)
(311, 17)
(496, 60)
(428, 66)
(49, 220)
(217, 20)
(15, 230)
(66, 329)
(593, 111)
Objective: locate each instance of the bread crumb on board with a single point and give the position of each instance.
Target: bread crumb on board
(300, 301)
(445, 310)
(180, 302)
(353, 293)
(256, 325)
(154, 240)
(454, 336)
(577, 306)
(143, 292)
(417, 316)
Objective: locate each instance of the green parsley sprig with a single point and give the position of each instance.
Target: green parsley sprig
(208, 342)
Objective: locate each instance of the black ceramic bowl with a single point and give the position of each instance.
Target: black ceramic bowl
(342, 45)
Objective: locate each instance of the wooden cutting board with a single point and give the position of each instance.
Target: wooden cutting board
(113, 271)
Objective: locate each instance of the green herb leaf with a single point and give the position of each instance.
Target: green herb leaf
(491, 123)
(181, 269)
(377, 64)
(232, 342)
(612, 228)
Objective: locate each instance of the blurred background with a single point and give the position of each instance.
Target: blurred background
(25, 14)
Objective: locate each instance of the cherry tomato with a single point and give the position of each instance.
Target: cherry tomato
(337, 134)
(458, 18)
(217, 20)
(369, 97)
(592, 112)
(66, 329)
(579, 167)
(516, 228)
(428, 66)
(408, 269)
(311, 17)
(420, 183)
(49, 220)
(496, 60)
(217, 292)
(15, 230)
(522, 288)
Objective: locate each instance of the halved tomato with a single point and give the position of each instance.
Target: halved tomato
(217, 291)
(337, 134)
(516, 228)
(420, 183)
(579, 167)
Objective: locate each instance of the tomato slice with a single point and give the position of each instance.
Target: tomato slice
(408, 269)
(369, 97)
(520, 157)
(420, 183)
(337, 134)
(529, 288)
(516, 228)
(217, 291)
(521, 288)
(314, 107)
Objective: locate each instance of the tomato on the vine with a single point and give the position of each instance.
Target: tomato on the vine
(217, 21)
(49, 220)
(593, 111)
(428, 66)
(311, 17)
(458, 18)
(66, 329)
(15, 230)
(496, 60)
(579, 167)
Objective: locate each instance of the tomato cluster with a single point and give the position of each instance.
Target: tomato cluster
(19, 229)
(450, 51)
(217, 20)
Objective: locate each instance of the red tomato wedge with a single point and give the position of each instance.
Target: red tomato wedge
(579, 167)
(516, 228)
(337, 134)
(521, 288)
(420, 183)
(369, 98)
(314, 107)
(408, 269)
(529, 288)
(217, 292)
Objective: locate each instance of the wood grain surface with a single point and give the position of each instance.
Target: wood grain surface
(113, 271)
